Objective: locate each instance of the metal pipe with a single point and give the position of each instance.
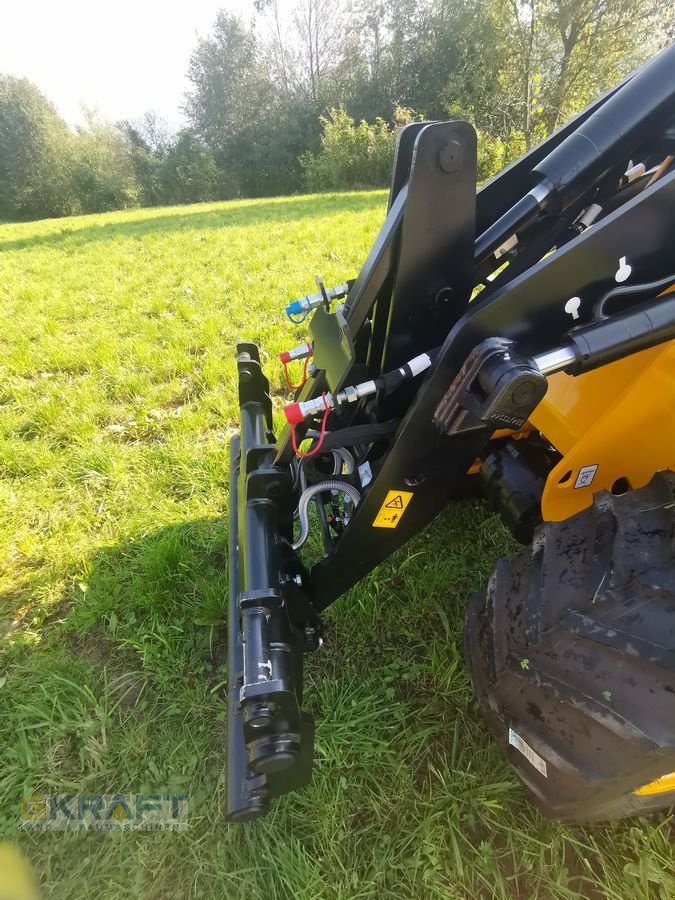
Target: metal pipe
(523, 213)
(609, 338)
(555, 360)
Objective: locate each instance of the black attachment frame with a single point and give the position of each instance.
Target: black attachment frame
(271, 623)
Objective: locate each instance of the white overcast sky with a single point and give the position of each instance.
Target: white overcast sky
(122, 57)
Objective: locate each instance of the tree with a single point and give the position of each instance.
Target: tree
(145, 162)
(565, 52)
(319, 28)
(353, 155)
(155, 132)
(188, 172)
(277, 44)
(253, 128)
(35, 153)
(273, 105)
(597, 42)
(228, 84)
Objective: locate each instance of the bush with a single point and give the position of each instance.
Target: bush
(351, 155)
(354, 156)
(103, 173)
(494, 153)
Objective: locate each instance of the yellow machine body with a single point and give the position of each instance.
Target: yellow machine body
(614, 426)
(663, 785)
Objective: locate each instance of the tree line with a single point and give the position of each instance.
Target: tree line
(309, 95)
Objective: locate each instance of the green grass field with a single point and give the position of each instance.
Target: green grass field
(117, 399)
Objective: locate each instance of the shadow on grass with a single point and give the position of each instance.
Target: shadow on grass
(235, 215)
(164, 593)
(161, 596)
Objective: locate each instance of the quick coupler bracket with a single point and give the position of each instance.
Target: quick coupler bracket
(270, 741)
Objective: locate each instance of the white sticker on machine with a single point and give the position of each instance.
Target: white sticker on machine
(530, 755)
(585, 476)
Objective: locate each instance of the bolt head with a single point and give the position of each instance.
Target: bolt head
(444, 297)
(524, 393)
(451, 156)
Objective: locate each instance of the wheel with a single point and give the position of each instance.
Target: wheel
(571, 650)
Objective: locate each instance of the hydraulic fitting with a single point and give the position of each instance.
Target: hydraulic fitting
(301, 352)
(310, 301)
(298, 412)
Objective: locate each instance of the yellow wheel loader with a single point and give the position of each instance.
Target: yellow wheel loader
(516, 342)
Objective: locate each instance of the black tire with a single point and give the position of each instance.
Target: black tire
(572, 646)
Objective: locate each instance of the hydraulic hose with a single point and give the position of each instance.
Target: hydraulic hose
(342, 456)
(303, 507)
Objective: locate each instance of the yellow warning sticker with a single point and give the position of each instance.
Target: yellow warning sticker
(391, 511)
